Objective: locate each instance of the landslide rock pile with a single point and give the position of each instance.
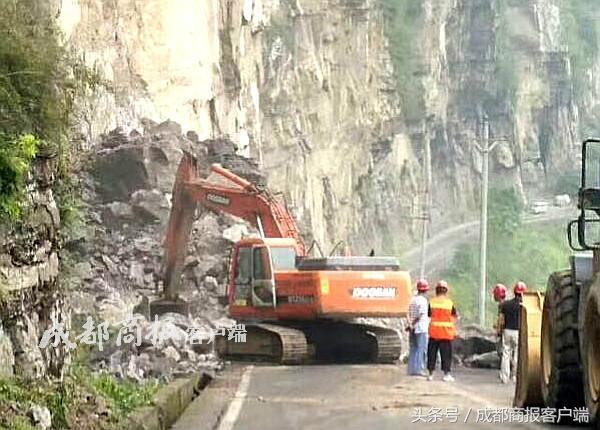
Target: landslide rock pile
(168, 346)
(116, 266)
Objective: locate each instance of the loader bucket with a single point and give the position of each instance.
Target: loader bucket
(528, 392)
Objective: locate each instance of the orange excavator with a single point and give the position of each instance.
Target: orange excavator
(295, 308)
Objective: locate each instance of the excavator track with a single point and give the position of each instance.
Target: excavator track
(294, 348)
(347, 342)
(388, 344)
(323, 341)
(267, 342)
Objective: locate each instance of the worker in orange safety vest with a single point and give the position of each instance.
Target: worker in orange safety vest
(442, 331)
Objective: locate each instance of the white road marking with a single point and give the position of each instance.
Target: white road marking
(235, 407)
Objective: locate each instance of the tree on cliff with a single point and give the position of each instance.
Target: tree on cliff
(39, 82)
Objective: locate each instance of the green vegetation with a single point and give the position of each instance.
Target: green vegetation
(15, 160)
(515, 252)
(39, 82)
(125, 396)
(73, 400)
(531, 255)
(505, 209)
(566, 183)
(404, 24)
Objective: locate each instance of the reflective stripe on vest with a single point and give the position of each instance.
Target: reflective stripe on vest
(442, 321)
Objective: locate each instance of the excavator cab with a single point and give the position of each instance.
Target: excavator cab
(252, 275)
(588, 222)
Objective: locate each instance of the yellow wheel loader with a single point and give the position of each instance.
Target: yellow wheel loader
(559, 340)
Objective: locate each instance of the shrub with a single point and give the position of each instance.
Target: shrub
(39, 83)
(505, 209)
(566, 183)
(15, 158)
(528, 254)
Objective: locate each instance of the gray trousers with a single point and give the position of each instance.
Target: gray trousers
(510, 345)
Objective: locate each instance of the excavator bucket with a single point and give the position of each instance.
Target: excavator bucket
(528, 392)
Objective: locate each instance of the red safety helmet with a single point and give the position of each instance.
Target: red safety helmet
(499, 292)
(442, 285)
(422, 286)
(520, 287)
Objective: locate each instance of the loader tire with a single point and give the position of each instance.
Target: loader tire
(590, 351)
(562, 373)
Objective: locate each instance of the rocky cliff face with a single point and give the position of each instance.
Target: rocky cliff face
(304, 87)
(510, 61)
(307, 88)
(31, 298)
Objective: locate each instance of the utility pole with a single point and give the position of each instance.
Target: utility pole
(422, 209)
(421, 212)
(483, 221)
(425, 210)
(484, 150)
(423, 247)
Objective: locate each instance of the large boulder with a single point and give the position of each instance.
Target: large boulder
(473, 339)
(116, 213)
(489, 360)
(223, 152)
(139, 161)
(151, 205)
(40, 416)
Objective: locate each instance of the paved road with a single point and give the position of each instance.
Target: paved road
(441, 247)
(348, 397)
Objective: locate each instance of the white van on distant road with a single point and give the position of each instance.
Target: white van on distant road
(539, 207)
(562, 200)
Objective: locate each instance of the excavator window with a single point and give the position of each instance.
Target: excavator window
(261, 262)
(263, 285)
(284, 258)
(243, 275)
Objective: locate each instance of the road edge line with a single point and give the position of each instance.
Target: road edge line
(235, 407)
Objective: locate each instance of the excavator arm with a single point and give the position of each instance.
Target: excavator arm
(235, 196)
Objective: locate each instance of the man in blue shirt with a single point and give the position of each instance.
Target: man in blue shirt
(418, 327)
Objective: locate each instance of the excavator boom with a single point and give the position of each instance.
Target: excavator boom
(235, 196)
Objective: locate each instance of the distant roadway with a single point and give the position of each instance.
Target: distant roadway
(441, 247)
